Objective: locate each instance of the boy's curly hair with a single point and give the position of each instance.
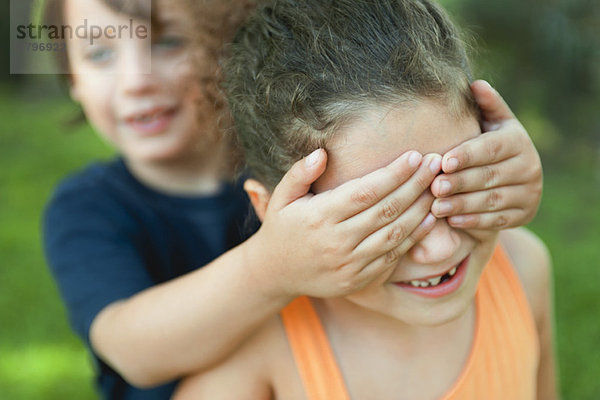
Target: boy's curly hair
(215, 23)
(301, 69)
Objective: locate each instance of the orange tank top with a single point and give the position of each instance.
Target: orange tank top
(504, 355)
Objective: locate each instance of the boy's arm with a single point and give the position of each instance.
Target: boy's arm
(317, 245)
(532, 262)
(495, 180)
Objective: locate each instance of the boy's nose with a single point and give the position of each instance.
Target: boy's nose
(438, 245)
(136, 74)
(135, 84)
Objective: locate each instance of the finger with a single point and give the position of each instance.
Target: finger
(297, 181)
(492, 105)
(483, 149)
(495, 220)
(385, 263)
(402, 233)
(480, 178)
(496, 199)
(396, 203)
(417, 235)
(359, 194)
(379, 269)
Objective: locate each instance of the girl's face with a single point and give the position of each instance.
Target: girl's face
(374, 140)
(142, 96)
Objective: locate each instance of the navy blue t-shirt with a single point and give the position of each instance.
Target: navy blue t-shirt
(107, 236)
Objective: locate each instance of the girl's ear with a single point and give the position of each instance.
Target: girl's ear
(259, 197)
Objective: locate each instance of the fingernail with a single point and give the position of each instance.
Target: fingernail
(435, 164)
(443, 207)
(414, 159)
(452, 164)
(444, 187)
(458, 220)
(487, 83)
(428, 221)
(312, 158)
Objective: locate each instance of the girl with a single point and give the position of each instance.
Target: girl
(125, 239)
(461, 316)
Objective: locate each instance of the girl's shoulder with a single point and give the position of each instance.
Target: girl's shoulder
(254, 371)
(531, 259)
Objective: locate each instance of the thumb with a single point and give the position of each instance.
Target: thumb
(493, 107)
(297, 181)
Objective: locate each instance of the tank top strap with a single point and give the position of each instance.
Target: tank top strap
(501, 269)
(504, 355)
(312, 352)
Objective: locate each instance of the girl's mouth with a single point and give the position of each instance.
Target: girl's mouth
(440, 285)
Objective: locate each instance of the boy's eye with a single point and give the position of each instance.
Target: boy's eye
(170, 42)
(100, 55)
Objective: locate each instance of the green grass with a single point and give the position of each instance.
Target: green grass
(569, 221)
(41, 359)
(39, 356)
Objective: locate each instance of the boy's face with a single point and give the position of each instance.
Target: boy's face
(373, 141)
(143, 97)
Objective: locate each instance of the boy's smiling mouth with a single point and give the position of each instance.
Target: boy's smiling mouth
(438, 285)
(151, 121)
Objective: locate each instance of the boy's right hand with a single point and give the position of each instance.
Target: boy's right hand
(338, 241)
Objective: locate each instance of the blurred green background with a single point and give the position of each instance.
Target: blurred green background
(543, 56)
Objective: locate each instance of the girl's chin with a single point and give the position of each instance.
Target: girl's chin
(434, 316)
(419, 313)
(443, 317)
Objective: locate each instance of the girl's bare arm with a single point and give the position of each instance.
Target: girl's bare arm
(532, 261)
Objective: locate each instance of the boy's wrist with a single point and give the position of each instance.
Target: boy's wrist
(261, 269)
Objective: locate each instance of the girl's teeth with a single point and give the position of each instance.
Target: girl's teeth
(435, 281)
(421, 283)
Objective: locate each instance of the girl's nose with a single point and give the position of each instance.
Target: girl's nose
(438, 245)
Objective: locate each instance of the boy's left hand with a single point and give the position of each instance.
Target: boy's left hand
(495, 180)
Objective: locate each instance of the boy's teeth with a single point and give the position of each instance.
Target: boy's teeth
(452, 271)
(149, 117)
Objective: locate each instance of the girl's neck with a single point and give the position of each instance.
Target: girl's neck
(341, 315)
(381, 356)
(187, 175)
